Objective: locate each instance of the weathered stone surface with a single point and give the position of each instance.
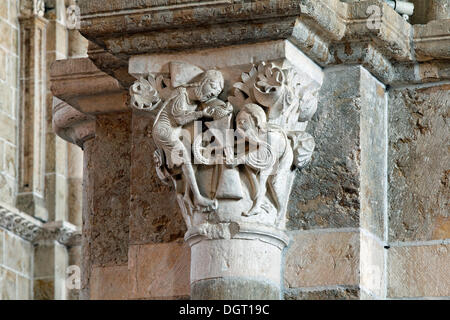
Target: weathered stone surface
(234, 289)
(236, 258)
(159, 271)
(7, 284)
(18, 254)
(2, 240)
(155, 214)
(322, 259)
(373, 135)
(44, 258)
(427, 41)
(10, 157)
(340, 293)
(325, 193)
(23, 288)
(418, 164)
(372, 265)
(111, 178)
(419, 271)
(7, 128)
(44, 289)
(109, 283)
(88, 208)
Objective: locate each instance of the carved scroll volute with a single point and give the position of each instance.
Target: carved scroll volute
(219, 182)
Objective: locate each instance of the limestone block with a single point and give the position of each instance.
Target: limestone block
(110, 283)
(44, 289)
(23, 288)
(7, 189)
(111, 189)
(7, 98)
(7, 284)
(439, 10)
(61, 198)
(2, 240)
(11, 75)
(60, 275)
(418, 164)
(3, 65)
(57, 38)
(7, 128)
(340, 293)
(10, 160)
(236, 258)
(4, 9)
(419, 271)
(13, 11)
(322, 259)
(75, 186)
(2, 150)
(428, 43)
(159, 271)
(6, 36)
(372, 265)
(18, 254)
(373, 137)
(44, 261)
(155, 214)
(326, 192)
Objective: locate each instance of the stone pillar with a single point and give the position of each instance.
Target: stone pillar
(100, 125)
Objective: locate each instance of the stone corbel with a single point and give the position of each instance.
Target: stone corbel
(81, 92)
(72, 125)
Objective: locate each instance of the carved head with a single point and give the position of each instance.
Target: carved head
(210, 85)
(250, 120)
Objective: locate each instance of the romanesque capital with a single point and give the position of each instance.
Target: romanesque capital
(231, 156)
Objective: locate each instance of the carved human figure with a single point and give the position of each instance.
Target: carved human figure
(268, 161)
(178, 111)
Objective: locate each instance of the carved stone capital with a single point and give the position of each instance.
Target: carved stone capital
(231, 131)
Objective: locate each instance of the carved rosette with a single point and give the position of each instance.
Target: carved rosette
(231, 156)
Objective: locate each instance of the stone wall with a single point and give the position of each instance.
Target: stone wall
(40, 174)
(16, 267)
(9, 67)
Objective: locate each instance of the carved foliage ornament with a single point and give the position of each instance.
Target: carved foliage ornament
(229, 159)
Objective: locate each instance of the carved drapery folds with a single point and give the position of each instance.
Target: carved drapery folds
(231, 156)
